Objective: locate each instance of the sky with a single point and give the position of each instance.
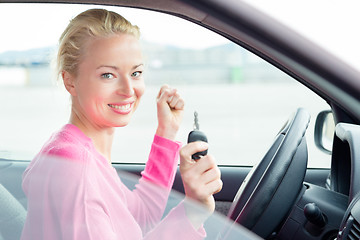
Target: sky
(333, 24)
(50, 25)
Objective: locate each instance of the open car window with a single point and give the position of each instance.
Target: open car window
(242, 101)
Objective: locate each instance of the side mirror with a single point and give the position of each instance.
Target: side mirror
(324, 131)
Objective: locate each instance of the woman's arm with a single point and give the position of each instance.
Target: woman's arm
(148, 201)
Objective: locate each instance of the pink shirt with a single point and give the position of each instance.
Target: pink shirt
(74, 193)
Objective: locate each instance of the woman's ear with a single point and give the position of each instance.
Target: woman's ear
(68, 80)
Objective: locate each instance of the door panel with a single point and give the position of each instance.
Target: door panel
(232, 177)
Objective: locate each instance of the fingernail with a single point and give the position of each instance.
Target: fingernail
(204, 144)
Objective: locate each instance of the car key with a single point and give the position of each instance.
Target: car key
(197, 135)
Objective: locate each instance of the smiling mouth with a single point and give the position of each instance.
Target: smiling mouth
(124, 108)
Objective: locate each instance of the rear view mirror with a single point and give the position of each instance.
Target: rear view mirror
(324, 131)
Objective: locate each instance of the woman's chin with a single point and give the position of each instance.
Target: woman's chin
(121, 124)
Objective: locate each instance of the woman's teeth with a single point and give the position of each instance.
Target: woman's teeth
(121, 107)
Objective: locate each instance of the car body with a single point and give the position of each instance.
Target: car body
(280, 196)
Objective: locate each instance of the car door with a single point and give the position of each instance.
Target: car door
(242, 100)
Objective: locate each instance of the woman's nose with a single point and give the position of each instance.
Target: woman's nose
(125, 87)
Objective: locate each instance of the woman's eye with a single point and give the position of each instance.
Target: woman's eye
(136, 74)
(107, 75)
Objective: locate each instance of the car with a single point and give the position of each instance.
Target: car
(281, 114)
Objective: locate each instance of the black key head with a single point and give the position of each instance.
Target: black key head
(194, 136)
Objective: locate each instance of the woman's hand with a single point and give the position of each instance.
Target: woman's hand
(201, 180)
(170, 108)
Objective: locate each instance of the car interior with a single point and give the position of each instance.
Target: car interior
(280, 195)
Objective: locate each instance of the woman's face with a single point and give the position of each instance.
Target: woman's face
(109, 82)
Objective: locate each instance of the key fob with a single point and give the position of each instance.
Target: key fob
(194, 136)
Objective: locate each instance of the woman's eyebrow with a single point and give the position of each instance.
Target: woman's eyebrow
(139, 65)
(116, 68)
(107, 66)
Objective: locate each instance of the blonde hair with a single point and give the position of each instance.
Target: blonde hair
(90, 24)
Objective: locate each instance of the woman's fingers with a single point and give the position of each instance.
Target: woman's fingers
(171, 97)
(175, 101)
(162, 89)
(211, 174)
(188, 150)
(170, 108)
(213, 182)
(201, 178)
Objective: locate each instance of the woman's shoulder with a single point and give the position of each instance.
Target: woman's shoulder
(69, 143)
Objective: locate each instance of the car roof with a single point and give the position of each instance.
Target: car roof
(325, 74)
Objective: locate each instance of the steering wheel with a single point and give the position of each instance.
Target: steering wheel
(271, 188)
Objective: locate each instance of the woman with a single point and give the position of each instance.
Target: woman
(73, 192)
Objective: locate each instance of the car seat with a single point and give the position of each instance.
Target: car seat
(12, 215)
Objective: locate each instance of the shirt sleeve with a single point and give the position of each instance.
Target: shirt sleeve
(148, 201)
(163, 159)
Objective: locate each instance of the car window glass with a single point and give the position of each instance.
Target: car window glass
(242, 101)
